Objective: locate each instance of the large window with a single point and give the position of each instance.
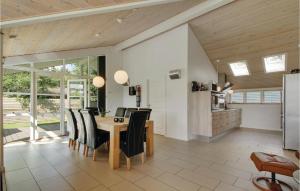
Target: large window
(256, 96)
(52, 79)
(237, 97)
(253, 97)
(272, 96)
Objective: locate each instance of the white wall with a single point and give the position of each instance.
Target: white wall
(260, 116)
(200, 69)
(152, 60)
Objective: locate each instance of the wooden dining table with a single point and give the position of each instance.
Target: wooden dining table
(114, 128)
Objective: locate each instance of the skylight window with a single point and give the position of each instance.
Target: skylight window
(239, 68)
(275, 63)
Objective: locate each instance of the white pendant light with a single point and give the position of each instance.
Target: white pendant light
(121, 77)
(98, 81)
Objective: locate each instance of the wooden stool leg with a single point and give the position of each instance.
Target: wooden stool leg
(74, 146)
(143, 158)
(94, 155)
(84, 149)
(87, 151)
(70, 143)
(128, 163)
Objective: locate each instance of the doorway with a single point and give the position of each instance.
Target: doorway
(77, 94)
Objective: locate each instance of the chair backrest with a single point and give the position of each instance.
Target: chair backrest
(81, 127)
(91, 126)
(135, 133)
(148, 112)
(128, 111)
(95, 110)
(120, 112)
(71, 124)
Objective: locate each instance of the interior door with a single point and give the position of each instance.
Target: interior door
(156, 101)
(77, 94)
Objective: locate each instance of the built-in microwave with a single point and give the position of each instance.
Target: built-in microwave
(217, 100)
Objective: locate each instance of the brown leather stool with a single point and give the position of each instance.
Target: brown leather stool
(276, 165)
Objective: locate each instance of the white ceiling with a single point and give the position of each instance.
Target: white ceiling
(242, 30)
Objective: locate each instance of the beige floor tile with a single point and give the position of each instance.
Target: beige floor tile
(226, 187)
(199, 179)
(165, 166)
(182, 163)
(151, 184)
(100, 188)
(105, 177)
(204, 189)
(178, 182)
(223, 165)
(27, 185)
(16, 176)
(43, 172)
(148, 170)
(82, 181)
(15, 164)
(67, 169)
(231, 171)
(131, 175)
(125, 186)
(35, 162)
(247, 185)
(224, 177)
(54, 183)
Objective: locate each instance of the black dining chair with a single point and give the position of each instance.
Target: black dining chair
(120, 112)
(95, 136)
(72, 127)
(148, 110)
(128, 112)
(81, 130)
(95, 110)
(133, 143)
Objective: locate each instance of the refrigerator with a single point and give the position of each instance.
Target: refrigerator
(290, 111)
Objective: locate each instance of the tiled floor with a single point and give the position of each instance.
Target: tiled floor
(176, 165)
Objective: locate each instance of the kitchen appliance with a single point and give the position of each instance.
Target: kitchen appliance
(175, 74)
(217, 100)
(212, 86)
(290, 111)
(195, 86)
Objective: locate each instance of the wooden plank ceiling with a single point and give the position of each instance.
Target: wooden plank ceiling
(78, 33)
(249, 30)
(20, 9)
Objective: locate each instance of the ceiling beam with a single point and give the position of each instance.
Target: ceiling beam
(82, 13)
(182, 18)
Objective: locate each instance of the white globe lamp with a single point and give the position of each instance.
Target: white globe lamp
(121, 77)
(98, 82)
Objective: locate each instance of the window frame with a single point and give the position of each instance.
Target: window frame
(247, 66)
(262, 92)
(285, 62)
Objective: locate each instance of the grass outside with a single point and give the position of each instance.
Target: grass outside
(13, 125)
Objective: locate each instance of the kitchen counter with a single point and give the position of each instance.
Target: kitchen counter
(224, 120)
(208, 124)
(223, 110)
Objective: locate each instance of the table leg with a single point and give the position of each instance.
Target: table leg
(114, 148)
(150, 137)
